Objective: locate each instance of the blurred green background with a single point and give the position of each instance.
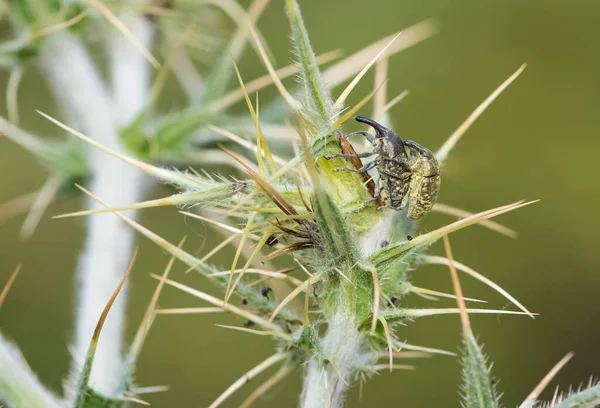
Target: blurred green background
(540, 139)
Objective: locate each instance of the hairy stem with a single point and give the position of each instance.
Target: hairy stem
(326, 382)
(86, 103)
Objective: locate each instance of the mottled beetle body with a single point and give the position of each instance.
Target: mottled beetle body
(409, 173)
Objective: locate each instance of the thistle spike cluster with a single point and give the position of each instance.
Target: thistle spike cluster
(346, 326)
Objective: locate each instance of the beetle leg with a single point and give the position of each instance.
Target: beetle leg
(400, 163)
(363, 169)
(371, 138)
(377, 192)
(403, 176)
(365, 204)
(350, 156)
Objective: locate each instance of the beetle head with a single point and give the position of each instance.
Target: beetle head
(425, 162)
(389, 144)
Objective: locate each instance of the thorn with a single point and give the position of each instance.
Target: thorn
(532, 398)
(119, 25)
(9, 283)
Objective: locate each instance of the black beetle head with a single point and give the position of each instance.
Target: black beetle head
(390, 143)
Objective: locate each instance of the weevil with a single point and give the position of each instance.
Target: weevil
(409, 173)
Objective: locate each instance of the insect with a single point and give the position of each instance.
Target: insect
(265, 291)
(409, 173)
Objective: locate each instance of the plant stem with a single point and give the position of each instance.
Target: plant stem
(78, 87)
(324, 385)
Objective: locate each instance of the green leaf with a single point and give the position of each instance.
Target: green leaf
(478, 388)
(336, 238)
(320, 106)
(95, 400)
(588, 398)
(17, 52)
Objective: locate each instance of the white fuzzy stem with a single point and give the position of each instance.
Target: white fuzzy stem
(130, 70)
(343, 344)
(78, 87)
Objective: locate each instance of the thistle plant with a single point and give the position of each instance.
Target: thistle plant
(350, 264)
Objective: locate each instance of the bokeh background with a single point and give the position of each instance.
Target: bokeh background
(539, 140)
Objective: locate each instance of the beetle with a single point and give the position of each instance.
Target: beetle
(409, 173)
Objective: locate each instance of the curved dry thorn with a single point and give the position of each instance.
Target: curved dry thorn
(401, 354)
(63, 25)
(305, 318)
(219, 224)
(212, 252)
(376, 297)
(379, 367)
(261, 143)
(532, 398)
(175, 199)
(9, 283)
(457, 212)
(439, 260)
(30, 142)
(398, 345)
(150, 389)
(388, 336)
(442, 154)
(190, 310)
(342, 98)
(237, 95)
(238, 253)
(400, 249)
(12, 91)
(419, 290)
(267, 385)
(350, 112)
(189, 260)
(259, 246)
(381, 76)
(450, 310)
(352, 64)
(394, 101)
(303, 287)
(134, 400)
(114, 20)
(140, 336)
(39, 206)
(243, 142)
(286, 95)
(16, 206)
(219, 302)
(272, 333)
(250, 374)
(432, 236)
(163, 174)
(337, 370)
(82, 388)
(460, 301)
(273, 194)
(270, 274)
(163, 243)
